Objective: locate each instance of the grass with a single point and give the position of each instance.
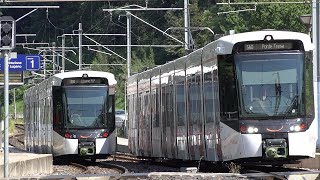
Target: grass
(234, 168)
(19, 107)
(12, 122)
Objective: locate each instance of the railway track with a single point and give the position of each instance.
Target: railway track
(19, 127)
(118, 168)
(84, 169)
(17, 139)
(64, 166)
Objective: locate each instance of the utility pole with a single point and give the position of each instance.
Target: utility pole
(7, 43)
(186, 26)
(54, 58)
(128, 10)
(14, 103)
(63, 53)
(128, 44)
(44, 65)
(80, 46)
(6, 110)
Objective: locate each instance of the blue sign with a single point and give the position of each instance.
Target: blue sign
(22, 63)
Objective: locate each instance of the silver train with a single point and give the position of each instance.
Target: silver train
(71, 113)
(246, 97)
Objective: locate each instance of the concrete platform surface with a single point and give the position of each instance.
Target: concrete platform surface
(22, 163)
(122, 145)
(310, 163)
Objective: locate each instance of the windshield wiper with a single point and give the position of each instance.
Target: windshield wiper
(277, 88)
(289, 108)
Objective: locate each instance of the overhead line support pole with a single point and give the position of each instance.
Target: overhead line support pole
(128, 44)
(63, 53)
(6, 107)
(80, 46)
(186, 26)
(54, 57)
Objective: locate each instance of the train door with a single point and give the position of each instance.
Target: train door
(41, 124)
(168, 127)
(156, 114)
(133, 134)
(211, 105)
(50, 122)
(38, 137)
(180, 112)
(195, 111)
(170, 132)
(139, 124)
(163, 119)
(144, 126)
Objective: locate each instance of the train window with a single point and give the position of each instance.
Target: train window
(208, 97)
(163, 106)
(169, 106)
(86, 106)
(194, 99)
(57, 107)
(227, 90)
(271, 84)
(111, 113)
(180, 104)
(146, 110)
(133, 116)
(138, 111)
(157, 106)
(153, 107)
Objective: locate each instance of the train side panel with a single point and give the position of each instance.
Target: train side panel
(167, 111)
(211, 104)
(133, 114)
(156, 139)
(181, 109)
(195, 106)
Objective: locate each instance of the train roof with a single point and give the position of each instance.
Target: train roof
(71, 74)
(226, 43)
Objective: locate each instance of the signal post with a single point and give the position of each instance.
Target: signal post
(7, 43)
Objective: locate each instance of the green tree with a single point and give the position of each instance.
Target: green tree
(266, 16)
(141, 58)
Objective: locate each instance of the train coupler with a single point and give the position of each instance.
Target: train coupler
(275, 148)
(86, 148)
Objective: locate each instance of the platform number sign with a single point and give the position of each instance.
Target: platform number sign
(7, 33)
(32, 62)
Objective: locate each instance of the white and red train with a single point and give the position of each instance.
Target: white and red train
(247, 96)
(72, 113)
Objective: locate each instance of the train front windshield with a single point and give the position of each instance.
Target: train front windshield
(270, 84)
(86, 106)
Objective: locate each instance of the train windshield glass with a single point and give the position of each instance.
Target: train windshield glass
(270, 85)
(86, 106)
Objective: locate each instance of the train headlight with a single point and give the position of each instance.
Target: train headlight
(250, 129)
(253, 130)
(299, 127)
(291, 128)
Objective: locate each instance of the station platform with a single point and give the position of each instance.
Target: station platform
(22, 163)
(122, 145)
(310, 163)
